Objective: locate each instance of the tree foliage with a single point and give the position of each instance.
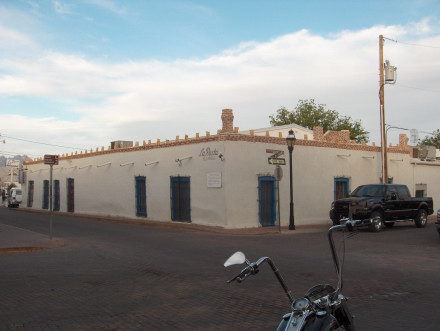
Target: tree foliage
(308, 114)
(432, 140)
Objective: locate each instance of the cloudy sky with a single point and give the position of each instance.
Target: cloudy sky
(81, 73)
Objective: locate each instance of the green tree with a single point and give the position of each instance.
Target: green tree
(308, 114)
(432, 140)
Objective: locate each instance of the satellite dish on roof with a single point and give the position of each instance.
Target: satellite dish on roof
(414, 136)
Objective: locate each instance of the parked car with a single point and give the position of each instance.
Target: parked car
(438, 222)
(385, 204)
(15, 197)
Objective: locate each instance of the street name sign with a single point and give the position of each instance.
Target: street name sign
(276, 161)
(51, 159)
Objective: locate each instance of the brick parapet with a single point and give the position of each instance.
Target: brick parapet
(233, 137)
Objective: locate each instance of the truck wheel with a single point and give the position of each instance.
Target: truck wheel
(377, 224)
(421, 219)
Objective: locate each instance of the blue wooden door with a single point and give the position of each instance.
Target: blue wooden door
(70, 195)
(267, 200)
(180, 199)
(141, 196)
(56, 195)
(341, 188)
(30, 194)
(45, 194)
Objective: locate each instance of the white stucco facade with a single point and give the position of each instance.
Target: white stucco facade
(223, 191)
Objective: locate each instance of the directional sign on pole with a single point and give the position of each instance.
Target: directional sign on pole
(276, 161)
(51, 159)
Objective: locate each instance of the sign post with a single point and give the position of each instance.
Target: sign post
(278, 173)
(50, 160)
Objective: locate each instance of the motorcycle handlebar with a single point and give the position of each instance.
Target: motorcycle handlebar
(251, 269)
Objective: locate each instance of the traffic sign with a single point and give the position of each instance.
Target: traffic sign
(51, 159)
(276, 161)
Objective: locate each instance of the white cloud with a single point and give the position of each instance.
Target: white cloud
(112, 6)
(254, 79)
(62, 7)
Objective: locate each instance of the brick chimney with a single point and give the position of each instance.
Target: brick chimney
(228, 121)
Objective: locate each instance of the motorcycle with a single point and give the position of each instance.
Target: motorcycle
(323, 307)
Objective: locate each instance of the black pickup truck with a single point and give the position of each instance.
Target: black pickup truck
(385, 204)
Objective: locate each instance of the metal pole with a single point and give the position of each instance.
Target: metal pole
(382, 114)
(50, 202)
(291, 217)
(278, 196)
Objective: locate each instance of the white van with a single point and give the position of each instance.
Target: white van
(15, 197)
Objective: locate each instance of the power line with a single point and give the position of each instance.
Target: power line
(41, 143)
(15, 153)
(410, 44)
(417, 45)
(418, 88)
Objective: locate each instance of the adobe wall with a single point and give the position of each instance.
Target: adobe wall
(105, 179)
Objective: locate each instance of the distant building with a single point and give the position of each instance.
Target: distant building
(121, 144)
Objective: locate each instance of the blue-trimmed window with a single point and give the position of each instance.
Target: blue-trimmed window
(46, 194)
(141, 196)
(267, 200)
(180, 199)
(56, 195)
(341, 188)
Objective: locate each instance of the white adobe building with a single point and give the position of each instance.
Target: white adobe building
(223, 180)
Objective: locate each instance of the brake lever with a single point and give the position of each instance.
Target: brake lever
(251, 269)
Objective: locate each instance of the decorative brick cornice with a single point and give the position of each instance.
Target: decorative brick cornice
(230, 137)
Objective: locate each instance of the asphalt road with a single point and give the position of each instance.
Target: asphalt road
(115, 276)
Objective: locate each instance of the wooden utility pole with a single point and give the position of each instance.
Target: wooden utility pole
(382, 114)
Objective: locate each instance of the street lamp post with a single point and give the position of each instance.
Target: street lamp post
(291, 139)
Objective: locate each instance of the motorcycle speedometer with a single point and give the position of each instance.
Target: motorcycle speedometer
(300, 304)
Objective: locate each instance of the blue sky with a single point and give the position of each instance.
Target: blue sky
(83, 73)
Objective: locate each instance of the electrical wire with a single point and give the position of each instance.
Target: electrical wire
(418, 88)
(410, 44)
(41, 143)
(16, 153)
(417, 45)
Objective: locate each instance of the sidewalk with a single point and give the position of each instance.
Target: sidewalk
(17, 240)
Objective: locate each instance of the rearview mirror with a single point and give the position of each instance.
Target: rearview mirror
(236, 258)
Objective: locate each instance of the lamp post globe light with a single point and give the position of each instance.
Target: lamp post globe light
(291, 139)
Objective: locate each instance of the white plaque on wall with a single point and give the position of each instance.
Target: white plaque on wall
(214, 179)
